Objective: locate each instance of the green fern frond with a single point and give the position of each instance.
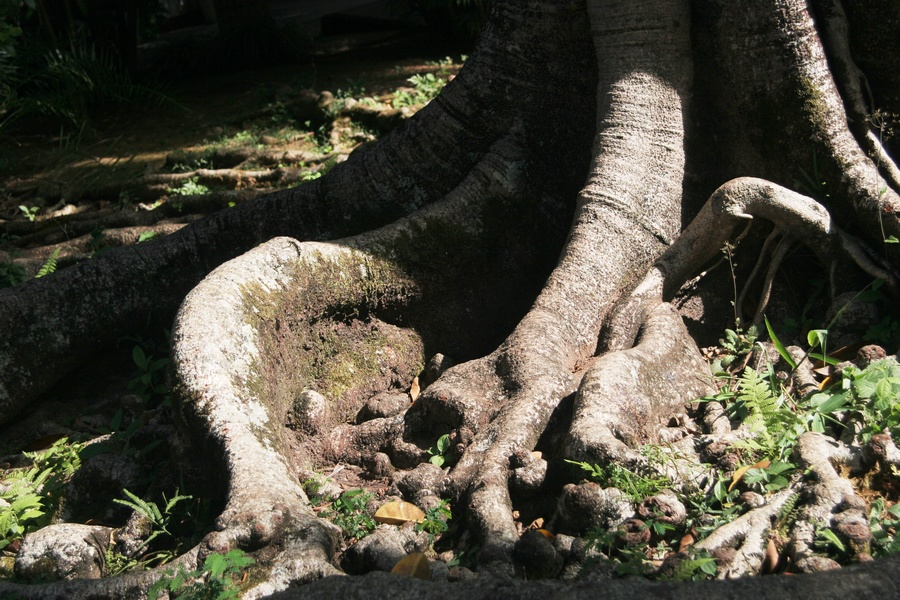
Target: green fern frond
(49, 265)
(762, 404)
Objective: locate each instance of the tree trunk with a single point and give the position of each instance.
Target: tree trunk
(541, 221)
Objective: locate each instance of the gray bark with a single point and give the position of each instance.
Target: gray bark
(718, 100)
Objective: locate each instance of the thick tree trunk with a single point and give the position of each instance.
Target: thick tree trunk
(465, 233)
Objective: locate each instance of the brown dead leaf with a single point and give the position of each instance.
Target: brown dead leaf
(687, 540)
(399, 512)
(413, 565)
(770, 563)
(763, 464)
(414, 389)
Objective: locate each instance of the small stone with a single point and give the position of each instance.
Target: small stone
(815, 564)
(90, 492)
(380, 465)
(665, 507)
(435, 368)
(269, 140)
(310, 412)
(723, 556)
(130, 538)
(385, 404)
(587, 506)
(529, 477)
(382, 549)
(857, 534)
(869, 354)
(63, 551)
(438, 571)
(636, 532)
(536, 554)
(325, 99)
(461, 574)
(752, 499)
(424, 480)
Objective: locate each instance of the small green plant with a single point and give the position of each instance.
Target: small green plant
(49, 265)
(32, 495)
(884, 524)
(698, 566)
(635, 485)
(161, 522)
(872, 396)
(146, 236)
(11, 273)
(425, 88)
(189, 187)
(440, 452)
(626, 561)
(436, 518)
(767, 480)
(216, 580)
(98, 242)
(148, 381)
(828, 541)
(348, 512)
(30, 212)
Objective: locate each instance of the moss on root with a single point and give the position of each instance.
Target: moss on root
(318, 332)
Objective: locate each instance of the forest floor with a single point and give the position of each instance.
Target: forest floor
(139, 171)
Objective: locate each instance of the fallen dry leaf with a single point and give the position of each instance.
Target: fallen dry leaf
(399, 512)
(413, 565)
(763, 464)
(770, 563)
(414, 389)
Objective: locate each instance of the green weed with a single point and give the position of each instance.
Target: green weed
(440, 452)
(635, 485)
(348, 512)
(425, 88)
(189, 187)
(32, 496)
(216, 580)
(436, 518)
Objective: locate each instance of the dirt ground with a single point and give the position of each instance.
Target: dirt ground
(97, 176)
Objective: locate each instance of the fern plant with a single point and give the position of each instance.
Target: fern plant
(161, 520)
(215, 581)
(766, 414)
(49, 265)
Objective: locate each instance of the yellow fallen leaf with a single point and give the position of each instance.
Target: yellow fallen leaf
(399, 512)
(546, 533)
(763, 464)
(413, 565)
(414, 389)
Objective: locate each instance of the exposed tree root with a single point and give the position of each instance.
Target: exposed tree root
(301, 351)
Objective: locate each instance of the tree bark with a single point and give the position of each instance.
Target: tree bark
(492, 229)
